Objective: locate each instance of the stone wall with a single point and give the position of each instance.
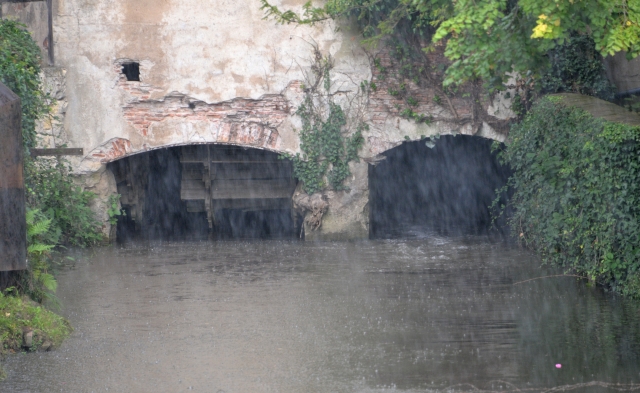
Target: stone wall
(219, 73)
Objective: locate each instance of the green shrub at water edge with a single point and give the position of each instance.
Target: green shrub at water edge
(21, 306)
(50, 189)
(576, 194)
(18, 313)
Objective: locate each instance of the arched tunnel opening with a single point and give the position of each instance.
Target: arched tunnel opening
(444, 186)
(205, 192)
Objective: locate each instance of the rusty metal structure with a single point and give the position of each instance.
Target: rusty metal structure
(13, 227)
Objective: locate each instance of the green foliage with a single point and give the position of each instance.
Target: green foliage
(50, 188)
(577, 67)
(48, 184)
(326, 151)
(409, 113)
(577, 192)
(38, 281)
(18, 314)
(486, 39)
(113, 210)
(20, 72)
(326, 146)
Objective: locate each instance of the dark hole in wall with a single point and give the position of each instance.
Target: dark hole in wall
(447, 189)
(155, 210)
(131, 71)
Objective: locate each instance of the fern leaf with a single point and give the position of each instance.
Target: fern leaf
(39, 248)
(31, 216)
(38, 228)
(48, 281)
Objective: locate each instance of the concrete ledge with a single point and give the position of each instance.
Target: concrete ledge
(600, 108)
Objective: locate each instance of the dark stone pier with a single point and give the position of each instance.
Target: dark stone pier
(13, 240)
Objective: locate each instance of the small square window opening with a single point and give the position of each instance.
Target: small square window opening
(131, 71)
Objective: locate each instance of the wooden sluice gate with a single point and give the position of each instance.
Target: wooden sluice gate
(222, 190)
(215, 178)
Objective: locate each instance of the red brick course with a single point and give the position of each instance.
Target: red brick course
(251, 122)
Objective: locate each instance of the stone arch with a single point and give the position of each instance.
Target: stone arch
(205, 189)
(444, 184)
(396, 131)
(119, 148)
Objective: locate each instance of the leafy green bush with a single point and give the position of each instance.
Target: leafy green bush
(21, 305)
(577, 67)
(576, 194)
(20, 72)
(50, 188)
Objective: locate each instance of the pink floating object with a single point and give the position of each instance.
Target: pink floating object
(558, 365)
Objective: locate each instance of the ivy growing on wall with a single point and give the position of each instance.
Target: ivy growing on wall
(326, 140)
(20, 72)
(576, 194)
(577, 67)
(49, 186)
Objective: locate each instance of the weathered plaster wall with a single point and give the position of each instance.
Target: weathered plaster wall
(222, 57)
(216, 72)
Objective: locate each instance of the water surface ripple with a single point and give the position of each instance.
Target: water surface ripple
(417, 315)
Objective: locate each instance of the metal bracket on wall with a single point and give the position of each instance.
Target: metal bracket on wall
(49, 18)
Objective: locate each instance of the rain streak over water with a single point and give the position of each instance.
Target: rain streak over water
(422, 314)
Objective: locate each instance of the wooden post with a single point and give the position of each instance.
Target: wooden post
(50, 21)
(13, 227)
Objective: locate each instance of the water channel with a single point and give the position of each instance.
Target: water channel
(421, 314)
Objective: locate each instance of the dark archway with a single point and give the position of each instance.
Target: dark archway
(446, 187)
(205, 191)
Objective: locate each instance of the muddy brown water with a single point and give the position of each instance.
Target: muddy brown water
(417, 315)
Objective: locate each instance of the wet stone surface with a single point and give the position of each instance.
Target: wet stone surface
(424, 314)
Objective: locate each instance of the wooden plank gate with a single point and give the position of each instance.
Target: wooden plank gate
(231, 177)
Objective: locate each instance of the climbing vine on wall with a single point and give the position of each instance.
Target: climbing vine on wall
(49, 186)
(405, 71)
(576, 194)
(327, 140)
(20, 72)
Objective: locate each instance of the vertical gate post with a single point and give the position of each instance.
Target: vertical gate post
(13, 227)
